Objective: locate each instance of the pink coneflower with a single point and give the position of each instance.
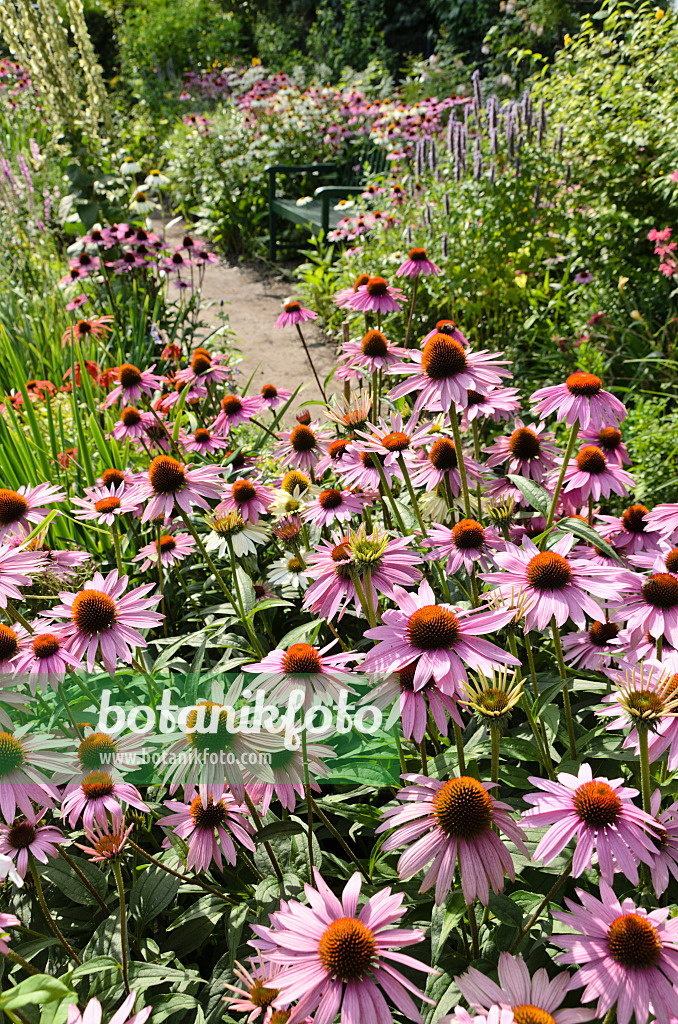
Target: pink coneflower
(26, 836)
(334, 506)
(6, 921)
(96, 327)
(379, 562)
(601, 814)
(624, 955)
(25, 508)
(357, 468)
(92, 1014)
(440, 638)
(665, 861)
(45, 658)
(302, 446)
(206, 823)
(581, 398)
(414, 705)
(609, 440)
(449, 328)
(392, 438)
(98, 795)
(104, 505)
(248, 497)
(13, 640)
(107, 842)
(77, 302)
(417, 263)
(529, 451)
(630, 531)
(335, 958)
(172, 484)
(271, 397)
(133, 424)
(289, 773)
(203, 442)
(64, 564)
(235, 409)
(21, 780)
(533, 1000)
(374, 352)
(553, 584)
(595, 647)
(17, 567)
(663, 519)
(256, 991)
(294, 313)
(133, 383)
(467, 544)
(103, 618)
(341, 299)
(306, 668)
(450, 822)
(440, 462)
(444, 372)
(333, 458)
(175, 263)
(497, 405)
(173, 548)
(202, 371)
(649, 605)
(376, 296)
(166, 402)
(591, 475)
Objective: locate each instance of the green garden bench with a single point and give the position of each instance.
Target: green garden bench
(343, 180)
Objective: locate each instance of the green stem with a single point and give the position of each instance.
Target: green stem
(194, 880)
(495, 736)
(473, 925)
(413, 497)
(267, 846)
(646, 789)
(317, 378)
(409, 319)
(424, 759)
(366, 607)
(18, 617)
(241, 607)
(340, 839)
(459, 740)
(117, 871)
(375, 396)
(476, 452)
(547, 899)
(401, 756)
(74, 724)
(387, 490)
(18, 959)
(454, 423)
(203, 551)
(48, 917)
(118, 554)
(566, 693)
(309, 799)
(530, 662)
(574, 433)
(83, 878)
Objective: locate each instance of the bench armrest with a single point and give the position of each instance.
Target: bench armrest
(329, 194)
(276, 169)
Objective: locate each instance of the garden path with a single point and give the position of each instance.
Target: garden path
(253, 299)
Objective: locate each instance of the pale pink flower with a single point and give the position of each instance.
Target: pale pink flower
(393, 437)
(417, 264)
(648, 604)
(440, 638)
(338, 959)
(554, 585)
(302, 446)
(17, 567)
(601, 814)
(374, 352)
(445, 824)
(7, 921)
(92, 1014)
(609, 440)
(466, 544)
(590, 474)
(334, 506)
(444, 372)
(203, 442)
(173, 547)
(27, 836)
(595, 647)
(132, 384)
(104, 505)
(97, 796)
(497, 405)
(432, 467)
(581, 398)
(294, 313)
(248, 497)
(256, 991)
(133, 424)
(306, 668)
(45, 658)
(26, 507)
(171, 484)
(665, 860)
(624, 955)
(102, 618)
(235, 409)
(271, 396)
(528, 451)
(206, 822)
(415, 704)
(376, 296)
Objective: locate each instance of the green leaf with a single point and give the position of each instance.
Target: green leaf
(367, 773)
(278, 828)
(582, 530)
(39, 990)
(95, 965)
(505, 910)
(154, 891)
(536, 496)
(60, 874)
(300, 633)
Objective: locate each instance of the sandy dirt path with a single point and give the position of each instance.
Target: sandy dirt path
(252, 300)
